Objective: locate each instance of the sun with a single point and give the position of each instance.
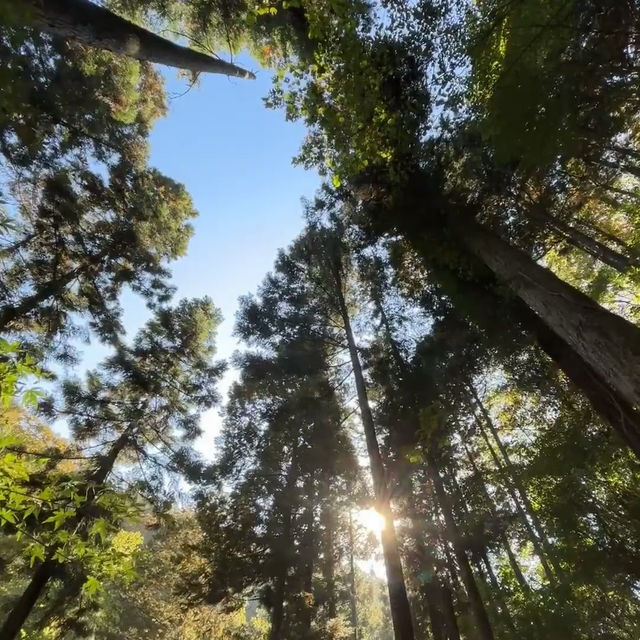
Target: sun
(371, 520)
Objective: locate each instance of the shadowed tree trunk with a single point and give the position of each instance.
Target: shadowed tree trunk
(398, 599)
(95, 26)
(475, 599)
(280, 581)
(607, 342)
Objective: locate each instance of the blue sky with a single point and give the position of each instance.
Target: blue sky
(234, 156)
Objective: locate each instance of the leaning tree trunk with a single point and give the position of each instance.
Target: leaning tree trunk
(95, 26)
(497, 591)
(48, 568)
(608, 343)
(398, 599)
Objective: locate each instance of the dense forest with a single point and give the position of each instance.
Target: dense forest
(439, 377)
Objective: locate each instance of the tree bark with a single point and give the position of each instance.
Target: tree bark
(95, 26)
(280, 579)
(606, 401)
(477, 605)
(398, 599)
(607, 342)
(329, 566)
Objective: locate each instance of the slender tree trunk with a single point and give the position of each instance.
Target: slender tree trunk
(45, 571)
(609, 343)
(284, 550)
(329, 566)
(513, 562)
(353, 600)
(582, 241)
(95, 26)
(533, 536)
(307, 553)
(517, 483)
(496, 592)
(451, 620)
(475, 599)
(398, 599)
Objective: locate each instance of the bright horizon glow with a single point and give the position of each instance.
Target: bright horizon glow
(371, 520)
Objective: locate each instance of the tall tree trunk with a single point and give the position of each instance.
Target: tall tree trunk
(475, 599)
(95, 26)
(584, 242)
(513, 562)
(47, 569)
(451, 620)
(610, 344)
(496, 591)
(353, 596)
(424, 564)
(517, 482)
(307, 553)
(398, 599)
(284, 549)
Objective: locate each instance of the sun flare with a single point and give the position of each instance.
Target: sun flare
(371, 520)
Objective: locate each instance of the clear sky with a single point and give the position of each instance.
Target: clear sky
(234, 156)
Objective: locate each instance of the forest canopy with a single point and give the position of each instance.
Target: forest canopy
(433, 426)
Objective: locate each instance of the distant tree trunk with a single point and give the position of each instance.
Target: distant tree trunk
(307, 553)
(353, 601)
(48, 568)
(284, 550)
(496, 588)
(475, 599)
(513, 562)
(517, 483)
(329, 567)
(584, 242)
(533, 536)
(398, 599)
(428, 580)
(95, 26)
(610, 344)
(451, 620)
